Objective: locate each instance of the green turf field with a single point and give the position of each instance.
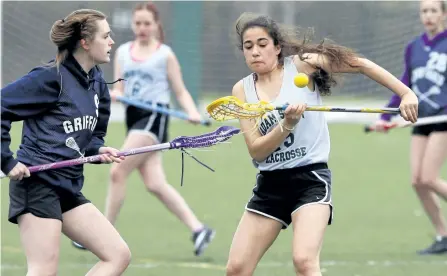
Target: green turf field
(378, 223)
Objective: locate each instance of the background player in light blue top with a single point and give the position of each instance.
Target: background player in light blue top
(294, 182)
(426, 72)
(151, 69)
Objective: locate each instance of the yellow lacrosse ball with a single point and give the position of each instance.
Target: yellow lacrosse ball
(301, 80)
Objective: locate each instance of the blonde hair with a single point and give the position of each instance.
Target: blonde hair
(66, 33)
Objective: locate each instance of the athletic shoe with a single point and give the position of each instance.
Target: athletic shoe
(202, 239)
(439, 246)
(78, 246)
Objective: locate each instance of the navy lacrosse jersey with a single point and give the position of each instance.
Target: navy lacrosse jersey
(65, 114)
(425, 73)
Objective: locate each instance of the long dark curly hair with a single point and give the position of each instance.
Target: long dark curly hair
(297, 41)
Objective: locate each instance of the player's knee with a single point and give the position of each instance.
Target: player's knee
(428, 180)
(117, 175)
(305, 264)
(121, 257)
(44, 269)
(417, 184)
(123, 254)
(415, 180)
(154, 187)
(236, 268)
(155, 182)
(47, 265)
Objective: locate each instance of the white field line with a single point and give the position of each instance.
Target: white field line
(202, 265)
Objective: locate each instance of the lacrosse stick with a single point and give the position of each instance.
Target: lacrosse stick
(71, 143)
(229, 108)
(403, 124)
(220, 135)
(155, 108)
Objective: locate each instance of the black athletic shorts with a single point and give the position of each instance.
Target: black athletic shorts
(33, 195)
(278, 194)
(147, 122)
(425, 130)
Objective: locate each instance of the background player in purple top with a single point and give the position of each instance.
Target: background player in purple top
(425, 73)
(67, 99)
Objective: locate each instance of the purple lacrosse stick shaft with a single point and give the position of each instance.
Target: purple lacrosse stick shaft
(221, 134)
(96, 158)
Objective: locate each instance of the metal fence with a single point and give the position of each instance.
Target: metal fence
(379, 30)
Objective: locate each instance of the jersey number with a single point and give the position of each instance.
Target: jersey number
(290, 139)
(437, 62)
(136, 88)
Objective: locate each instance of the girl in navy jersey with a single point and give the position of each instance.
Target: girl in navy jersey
(291, 148)
(68, 99)
(425, 73)
(151, 69)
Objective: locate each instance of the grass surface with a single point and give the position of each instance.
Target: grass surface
(378, 224)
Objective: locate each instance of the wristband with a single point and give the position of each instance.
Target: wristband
(283, 125)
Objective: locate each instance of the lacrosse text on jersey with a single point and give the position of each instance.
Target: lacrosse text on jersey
(286, 155)
(80, 123)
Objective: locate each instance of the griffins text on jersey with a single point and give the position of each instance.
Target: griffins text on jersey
(80, 123)
(84, 122)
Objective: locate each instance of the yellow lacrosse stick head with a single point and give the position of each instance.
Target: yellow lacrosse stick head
(230, 108)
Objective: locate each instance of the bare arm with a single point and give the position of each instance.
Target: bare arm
(375, 72)
(361, 65)
(260, 147)
(406, 79)
(182, 94)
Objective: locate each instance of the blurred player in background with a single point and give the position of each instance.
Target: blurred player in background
(425, 73)
(293, 185)
(66, 99)
(150, 69)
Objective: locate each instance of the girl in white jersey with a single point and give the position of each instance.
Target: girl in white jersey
(150, 68)
(291, 148)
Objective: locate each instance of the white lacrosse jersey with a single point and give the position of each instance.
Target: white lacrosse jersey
(146, 80)
(309, 143)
